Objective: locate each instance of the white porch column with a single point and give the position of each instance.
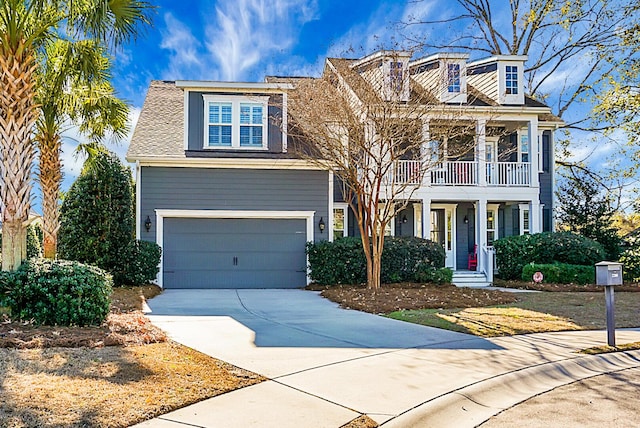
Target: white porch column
(535, 216)
(426, 155)
(426, 218)
(417, 220)
(532, 132)
(481, 133)
(481, 231)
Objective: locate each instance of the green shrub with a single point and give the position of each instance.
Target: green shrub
(96, 217)
(630, 259)
(402, 256)
(560, 273)
(343, 261)
(514, 252)
(8, 281)
(60, 292)
(144, 261)
(338, 262)
(434, 275)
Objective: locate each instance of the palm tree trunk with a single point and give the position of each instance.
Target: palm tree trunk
(50, 176)
(17, 118)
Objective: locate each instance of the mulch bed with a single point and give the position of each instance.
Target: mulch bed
(125, 325)
(407, 296)
(522, 285)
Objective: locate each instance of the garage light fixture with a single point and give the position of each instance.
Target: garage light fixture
(147, 223)
(321, 225)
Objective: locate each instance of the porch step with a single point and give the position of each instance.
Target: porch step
(467, 278)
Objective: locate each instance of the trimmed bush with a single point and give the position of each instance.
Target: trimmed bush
(96, 217)
(514, 252)
(343, 261)
(144, 261)
(560, 273)
(60, 292)
(338, 262)
(434, 275)
(402, 256)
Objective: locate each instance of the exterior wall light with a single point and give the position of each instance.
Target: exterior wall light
(466, 220)
(147, 223)
(321, 225)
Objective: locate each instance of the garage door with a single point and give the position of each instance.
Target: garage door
(234, 253)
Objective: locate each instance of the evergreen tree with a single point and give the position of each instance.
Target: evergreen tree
(96, 217)
(585, 209)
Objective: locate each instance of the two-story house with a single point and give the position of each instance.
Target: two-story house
(220, 188)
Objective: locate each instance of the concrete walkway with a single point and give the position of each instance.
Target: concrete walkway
(328, 366)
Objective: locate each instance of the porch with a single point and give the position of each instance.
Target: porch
(463, 173)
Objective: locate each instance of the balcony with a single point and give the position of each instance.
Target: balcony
(465, 173)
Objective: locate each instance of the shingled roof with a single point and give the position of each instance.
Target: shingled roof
(159, 132)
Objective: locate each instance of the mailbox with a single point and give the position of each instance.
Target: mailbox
(608, 273)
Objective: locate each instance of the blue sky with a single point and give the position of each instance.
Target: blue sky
(244, 40)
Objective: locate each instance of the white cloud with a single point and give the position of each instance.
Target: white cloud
(246, 32)
(185, 60)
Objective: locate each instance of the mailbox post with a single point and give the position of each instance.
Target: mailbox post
(609, 274)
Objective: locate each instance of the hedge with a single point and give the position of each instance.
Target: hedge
(343, 261)
(514, 252)
(560, 273)
(59, 292)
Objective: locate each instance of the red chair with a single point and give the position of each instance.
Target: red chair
(472, 263)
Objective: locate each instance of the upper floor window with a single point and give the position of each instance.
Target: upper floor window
(396, 74)
(511, 79)
(235, 122)
(453, 78)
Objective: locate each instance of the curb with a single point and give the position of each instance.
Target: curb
(474, 404)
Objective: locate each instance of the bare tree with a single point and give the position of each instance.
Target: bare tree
(578, 48)
(373, 135)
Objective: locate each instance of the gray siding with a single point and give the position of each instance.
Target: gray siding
(233, 189)
(195, 133)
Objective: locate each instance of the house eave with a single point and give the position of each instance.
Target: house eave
(194, 85)
(229, 163)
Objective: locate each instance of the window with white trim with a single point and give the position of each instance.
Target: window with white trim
(524, 148)
(453, 78)
(491, 226)
(525, 222)
(340, 221)
(511, 80)
(233, 122)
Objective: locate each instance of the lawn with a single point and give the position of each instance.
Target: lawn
(490, 313)
(55, 376)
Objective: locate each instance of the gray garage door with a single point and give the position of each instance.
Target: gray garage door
(234, 253)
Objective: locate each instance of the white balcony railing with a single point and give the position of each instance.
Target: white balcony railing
(460, 173)
(464, 173)
(407, 172)
(508, 174)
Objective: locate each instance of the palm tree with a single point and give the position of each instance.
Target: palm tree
(73, 85)
(25, 28)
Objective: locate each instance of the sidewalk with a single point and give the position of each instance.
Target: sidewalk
(458, 381)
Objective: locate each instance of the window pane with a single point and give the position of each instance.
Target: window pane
(219, 113)
(257, 115)
(245, 114)
(219, 135)
(453, 77)
(245, 135)
(251, 136)
(257, 136)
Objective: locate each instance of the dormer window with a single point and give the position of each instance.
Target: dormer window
(453, 78)
(235, 122)
(511, 80)
(396, 76)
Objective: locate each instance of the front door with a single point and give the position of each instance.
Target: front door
(443, 232)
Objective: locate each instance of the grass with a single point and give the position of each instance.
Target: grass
(106, 386)
(605, 349)
(531, 313)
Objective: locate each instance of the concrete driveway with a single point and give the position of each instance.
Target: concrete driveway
(328, 366)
